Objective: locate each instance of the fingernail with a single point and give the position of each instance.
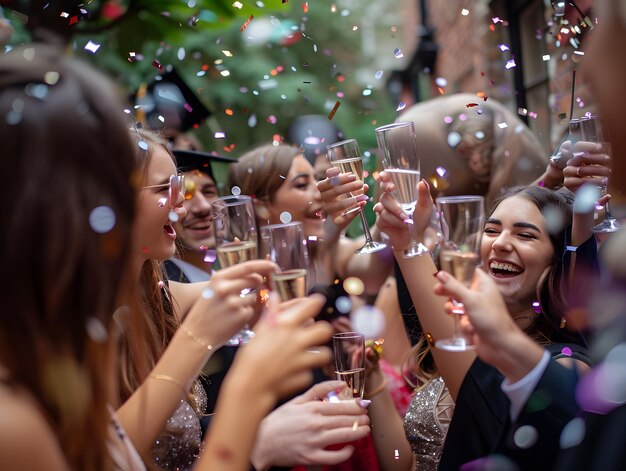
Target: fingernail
(362, 198)
(442, 276)
(427, 185)
(364, 403)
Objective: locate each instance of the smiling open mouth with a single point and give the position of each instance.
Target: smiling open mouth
(504, 269)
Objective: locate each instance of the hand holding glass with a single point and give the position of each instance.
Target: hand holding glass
(285, 245)
(462, 219)
(591, 131)
(349, 357)
(346, 156)
(397, 145)
(235, 240)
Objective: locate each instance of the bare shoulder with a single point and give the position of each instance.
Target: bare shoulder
(23, 428)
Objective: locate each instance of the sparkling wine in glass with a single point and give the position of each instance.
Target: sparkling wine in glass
(591, 131)
(349, 359)
(236, 241)
(462, 219)
(285, 245)
(397, 145)
(346, 156)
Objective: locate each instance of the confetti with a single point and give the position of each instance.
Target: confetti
(238, 5)
(441, 82)
(305, 7)
(573, 433)
(401, 106)
(96, 330)
(464, 12)
(503, 47)
(331, 115)
(378, 75)
(210, 256)
(102, 219)
(343, 304)
(546, 57)
(285, 217)
(51, 78)
(397, 52)
(502, 125)
(157, 65)
(219, 135)
(92, 47)
(354, 285)
(471, 105)
(510, 64)
(525, 436)
(245, 25)
(368, 320)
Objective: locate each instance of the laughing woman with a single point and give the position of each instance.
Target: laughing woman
(524, 256)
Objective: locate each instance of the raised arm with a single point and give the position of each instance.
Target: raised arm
(418, 273)
(275, 363)
(218, 313)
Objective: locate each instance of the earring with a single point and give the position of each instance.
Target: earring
(563, 322)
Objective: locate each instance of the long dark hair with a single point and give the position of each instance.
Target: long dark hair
(551, 289)
(66, 160)
(147, 336)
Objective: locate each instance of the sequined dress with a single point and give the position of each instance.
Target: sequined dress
(179, 444)
(426, 423)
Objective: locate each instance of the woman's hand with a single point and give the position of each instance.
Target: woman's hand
(499, 340)
(394, 222)
(342, 193)
(221, 310)
(589, 163)
(285, 349)
(299, 431)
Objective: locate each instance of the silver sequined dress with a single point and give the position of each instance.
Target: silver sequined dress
(179, 444)
(426, 423)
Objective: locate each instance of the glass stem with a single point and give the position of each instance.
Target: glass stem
(366, 229)
(607, 211)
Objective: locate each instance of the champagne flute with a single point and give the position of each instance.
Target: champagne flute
(462, 219)
(397, 145)
(236, 241)
(591, 131)
(349, 358)
(285, 245)
(346, 156)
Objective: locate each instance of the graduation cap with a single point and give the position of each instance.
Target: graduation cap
(215, 166)
(169, 97)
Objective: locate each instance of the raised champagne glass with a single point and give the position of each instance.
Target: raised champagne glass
(349, 359)
(235, 241)
(397, 145)
(591, 131)
(346, 156)
(285, 245)
(462, 219)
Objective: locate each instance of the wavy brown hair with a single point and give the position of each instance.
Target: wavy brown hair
(65, 152)
(146, 336)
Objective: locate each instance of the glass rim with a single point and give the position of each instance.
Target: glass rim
(348, 335)
(340, 143)
(399, 124)
(236, 199)
(282, 224)
(460, 199)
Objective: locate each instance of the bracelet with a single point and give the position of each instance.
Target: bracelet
(198, 340)
(378, 390)
(169, 379)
